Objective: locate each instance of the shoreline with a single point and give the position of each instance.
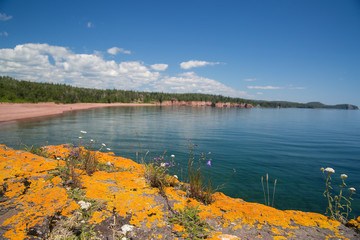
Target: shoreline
(23, 111)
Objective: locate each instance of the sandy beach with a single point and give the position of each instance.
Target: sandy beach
(21, 111)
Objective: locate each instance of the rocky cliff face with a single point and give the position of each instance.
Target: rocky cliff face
(205, 104)
(116, 202)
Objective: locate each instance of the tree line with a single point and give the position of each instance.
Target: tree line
(19, 91)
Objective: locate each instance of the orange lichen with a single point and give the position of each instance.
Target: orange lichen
(29, 185)
(178, 228)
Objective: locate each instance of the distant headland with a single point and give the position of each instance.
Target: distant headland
(18, 91)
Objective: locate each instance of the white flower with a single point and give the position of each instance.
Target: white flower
(343, 176)
(104, 145)
(84, 205)
(352, 189)
(329, 170)
(83, 132)
(126, 228)
(58, 158)
(163, 164)
(108, 163)
(80, 137)
(173, 156)
(322, 169)
(175, 176)
(108, 149)
(91, 140)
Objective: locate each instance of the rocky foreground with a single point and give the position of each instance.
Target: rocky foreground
(116, 202)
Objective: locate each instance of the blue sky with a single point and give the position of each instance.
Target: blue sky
(291, 50)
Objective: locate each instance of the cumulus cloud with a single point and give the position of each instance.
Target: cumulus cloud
(4, 17)
(265, 87)
(116, 50)
(89, 25)
(190, 82)
(196, 63)
(47, 63)
(32, 62)
(5, 34)
(159, 67)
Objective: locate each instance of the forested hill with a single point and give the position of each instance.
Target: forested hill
(12, 90)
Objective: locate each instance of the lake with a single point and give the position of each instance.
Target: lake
(291, 145)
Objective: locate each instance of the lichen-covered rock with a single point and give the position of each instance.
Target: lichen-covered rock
(117, 201)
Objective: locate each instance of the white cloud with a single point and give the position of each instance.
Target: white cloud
(264, 87)
(190, 82)
(250, 79)
(159, 67)
(116, 50)
(259, 93)
(5, 34)
(4, 17)
(31, 62)
(90, 25)
(47, 63)
(196, 63)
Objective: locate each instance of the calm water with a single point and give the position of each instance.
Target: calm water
(290, 145)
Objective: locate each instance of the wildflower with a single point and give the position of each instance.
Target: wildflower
(343, 176)
(175, 176)
(167, 164)
(352, 189)
(329, 170)
(80, 137)
(173, 156)
(108, 149)
(83, 132)
(58, 158)
(84, 205)
(109, 163)
(91, 140)
(162, 164)
(208, 163)
(209, 153)
(104, 145)
(126, 228)
(322, 169)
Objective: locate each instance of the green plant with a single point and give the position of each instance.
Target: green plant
(194, 226)
(81, 159)
(157, 172)
(37, 150)
(267, 200)
(198, 189)
(339, 206)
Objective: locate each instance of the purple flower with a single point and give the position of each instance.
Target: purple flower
(187, 140)
(209, 163)
(167, 164)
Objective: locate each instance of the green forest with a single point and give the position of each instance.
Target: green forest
(18, 91)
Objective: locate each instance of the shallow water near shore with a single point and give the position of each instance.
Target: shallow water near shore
(290, 145)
